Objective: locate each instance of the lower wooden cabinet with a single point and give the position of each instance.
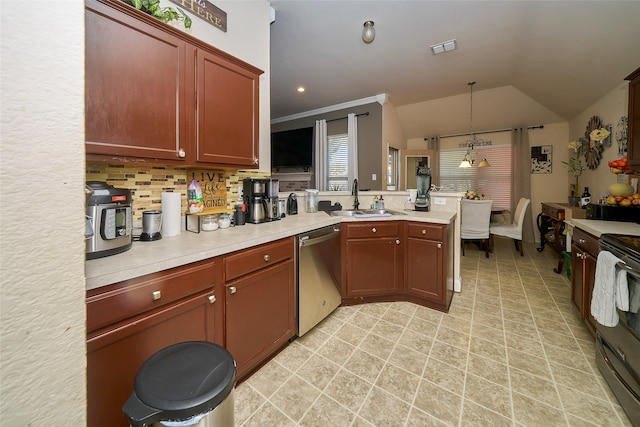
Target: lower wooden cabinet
(584, 254)
(115, 354)
(373, 259)
(260, 310)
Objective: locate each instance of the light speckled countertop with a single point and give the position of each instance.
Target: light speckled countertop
(598, 228)
(169, 252)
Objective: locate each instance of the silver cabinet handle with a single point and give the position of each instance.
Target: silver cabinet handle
(424, 232)
(374, 230)
(439, 245)
(397, 241)
(212, 299)
(267, 258)
(156, 295)
(582, 241)
(233, 290)
(181, 153)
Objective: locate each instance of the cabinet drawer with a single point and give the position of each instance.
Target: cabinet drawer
(426, 231)
(253, 259)
(373, 229)
(111, 304)
(585, 241)
(553, 212)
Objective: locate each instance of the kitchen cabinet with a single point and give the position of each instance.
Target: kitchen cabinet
(156, 94)
(259, 299)
(426, 265)
(373, 263)
(633, 135)
(584, 254)
(130, 321)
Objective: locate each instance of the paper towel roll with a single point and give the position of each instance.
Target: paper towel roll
(171, 212)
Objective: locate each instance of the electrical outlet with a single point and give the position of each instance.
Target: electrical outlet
(439, 201)
(373, 177)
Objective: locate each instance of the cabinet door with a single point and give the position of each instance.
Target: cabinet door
(374, 266)
(589, 278)
(135, 87)
(227, 125)
(259, 314)
(114, 356)
(425, 270)
(577, 278)
(633, 137)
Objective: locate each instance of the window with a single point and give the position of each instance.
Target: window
(392, 169)
(494, 182)
(338, 162)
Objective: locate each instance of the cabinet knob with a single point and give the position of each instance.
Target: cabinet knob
(424, 232)
(156, 295)
(256, 160)
(212, 299)
(579, 255)
(397, 241)
(181, 153)
(582, 241)
(233, 290)
(373, 230)
(267, 258)
(439, 245)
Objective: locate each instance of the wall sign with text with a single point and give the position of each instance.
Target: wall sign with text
(206, 11)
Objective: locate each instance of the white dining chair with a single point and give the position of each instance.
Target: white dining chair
(474, 222)
(513, 230)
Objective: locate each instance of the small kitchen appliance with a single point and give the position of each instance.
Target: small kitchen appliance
(151, 225)
(292, 204)
(273, 188)
(423, 181)
(613, 213)
(109, 220)
(255, 197)
(311, 200)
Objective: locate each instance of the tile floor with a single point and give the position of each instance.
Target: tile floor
(510, 352)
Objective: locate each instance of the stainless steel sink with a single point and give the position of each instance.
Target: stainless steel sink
(365, 212)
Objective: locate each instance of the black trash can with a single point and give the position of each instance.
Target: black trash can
(186, 384)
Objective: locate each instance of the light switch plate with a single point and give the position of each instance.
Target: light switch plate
(373, 177)
(439, 201)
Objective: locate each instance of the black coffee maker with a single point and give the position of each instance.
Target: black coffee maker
(255, 197)
(423, 181)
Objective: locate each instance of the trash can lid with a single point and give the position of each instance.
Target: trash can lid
(181, 381)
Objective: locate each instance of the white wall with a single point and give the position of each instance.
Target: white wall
(42, 318)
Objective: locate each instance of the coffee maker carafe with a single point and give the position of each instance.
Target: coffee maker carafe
(423, 181)
(255, 197)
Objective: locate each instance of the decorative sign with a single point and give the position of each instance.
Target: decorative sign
(541, 159)
(206, 11)
(214, 189)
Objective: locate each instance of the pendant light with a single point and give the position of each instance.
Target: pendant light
(468, 160)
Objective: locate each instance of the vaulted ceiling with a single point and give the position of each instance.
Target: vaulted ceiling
(559, 56)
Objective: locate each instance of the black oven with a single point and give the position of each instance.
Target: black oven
(618, 347)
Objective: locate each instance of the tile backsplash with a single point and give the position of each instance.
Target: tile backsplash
(147, 182)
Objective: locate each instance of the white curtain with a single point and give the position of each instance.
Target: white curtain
(352, 131)
(521, 177)
(321, 155)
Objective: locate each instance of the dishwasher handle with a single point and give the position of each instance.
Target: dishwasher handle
(306, 240)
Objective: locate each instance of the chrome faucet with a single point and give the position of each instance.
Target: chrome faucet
(354, 192)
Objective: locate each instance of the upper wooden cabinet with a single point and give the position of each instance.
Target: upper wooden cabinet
(156, 94)
(633, 136)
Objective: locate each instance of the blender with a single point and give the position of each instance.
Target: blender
(423, 181)
(151, 225)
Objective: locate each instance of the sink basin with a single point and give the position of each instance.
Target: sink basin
(364, 213)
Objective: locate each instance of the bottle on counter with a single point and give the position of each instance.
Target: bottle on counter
(585, 199)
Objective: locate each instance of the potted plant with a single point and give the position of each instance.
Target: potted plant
(575, 168)
(165, 14)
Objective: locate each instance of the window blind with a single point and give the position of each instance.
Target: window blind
(338, 162)
(494, 181)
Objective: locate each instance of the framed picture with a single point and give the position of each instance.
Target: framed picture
(541, 159)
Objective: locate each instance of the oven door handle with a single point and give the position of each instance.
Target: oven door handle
(604, 344)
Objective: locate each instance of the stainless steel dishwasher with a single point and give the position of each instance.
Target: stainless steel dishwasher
(318, 276)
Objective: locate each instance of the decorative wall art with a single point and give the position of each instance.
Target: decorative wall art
(621, 136)
(541, 159)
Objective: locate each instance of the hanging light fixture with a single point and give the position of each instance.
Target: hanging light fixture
(368, 33)
(468, 160)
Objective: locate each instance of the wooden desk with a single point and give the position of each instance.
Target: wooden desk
(551, 226)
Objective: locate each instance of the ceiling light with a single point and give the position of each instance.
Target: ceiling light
(300, 89)
(368, 33)
(443, 47)
(468, 160)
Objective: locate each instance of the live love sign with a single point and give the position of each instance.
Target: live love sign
(205, 10)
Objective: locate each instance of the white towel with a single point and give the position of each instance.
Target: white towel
(609, 291)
